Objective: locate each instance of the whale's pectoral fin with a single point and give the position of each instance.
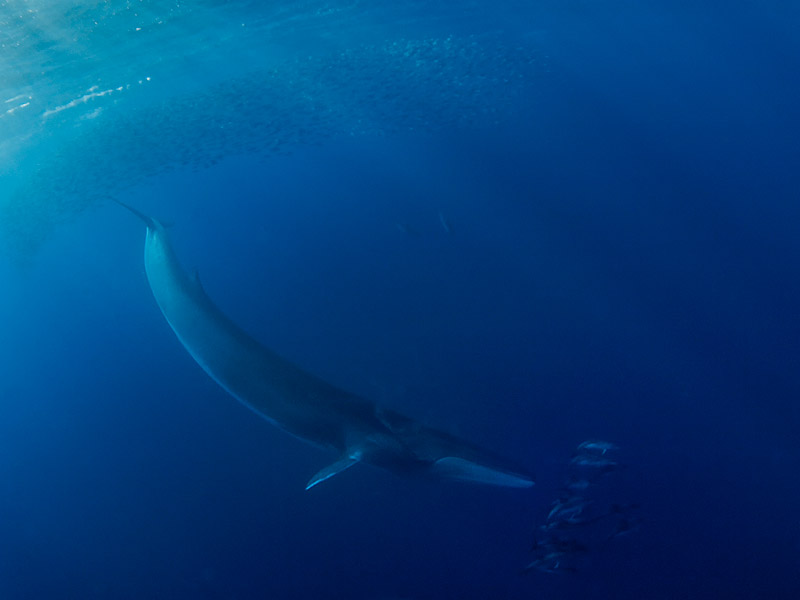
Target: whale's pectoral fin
(340, 465)
(461, 469)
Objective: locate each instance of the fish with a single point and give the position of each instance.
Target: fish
(594, 462)
(568, 509)
(556, 544)
(549, 564)
(408, 230)
(569, 545)
(448, 229)
(596, 447)
(625, 526)
(300, 403)
(577, 485)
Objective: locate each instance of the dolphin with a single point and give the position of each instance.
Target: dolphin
(298, 402)
(596, 447)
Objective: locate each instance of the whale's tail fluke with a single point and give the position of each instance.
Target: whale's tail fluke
(461, 469)
(447, 457)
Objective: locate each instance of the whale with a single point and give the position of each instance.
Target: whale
(356, 429)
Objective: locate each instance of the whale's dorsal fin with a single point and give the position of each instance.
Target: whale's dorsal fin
(340, 465)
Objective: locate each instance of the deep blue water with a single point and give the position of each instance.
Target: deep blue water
(622, 263)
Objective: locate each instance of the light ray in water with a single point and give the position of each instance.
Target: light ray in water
(308, 73)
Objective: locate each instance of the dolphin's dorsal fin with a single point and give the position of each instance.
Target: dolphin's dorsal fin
(340, 465)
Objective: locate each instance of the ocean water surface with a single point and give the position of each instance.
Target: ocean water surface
(530, 225)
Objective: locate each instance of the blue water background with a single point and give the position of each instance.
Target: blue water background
(623, 263)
